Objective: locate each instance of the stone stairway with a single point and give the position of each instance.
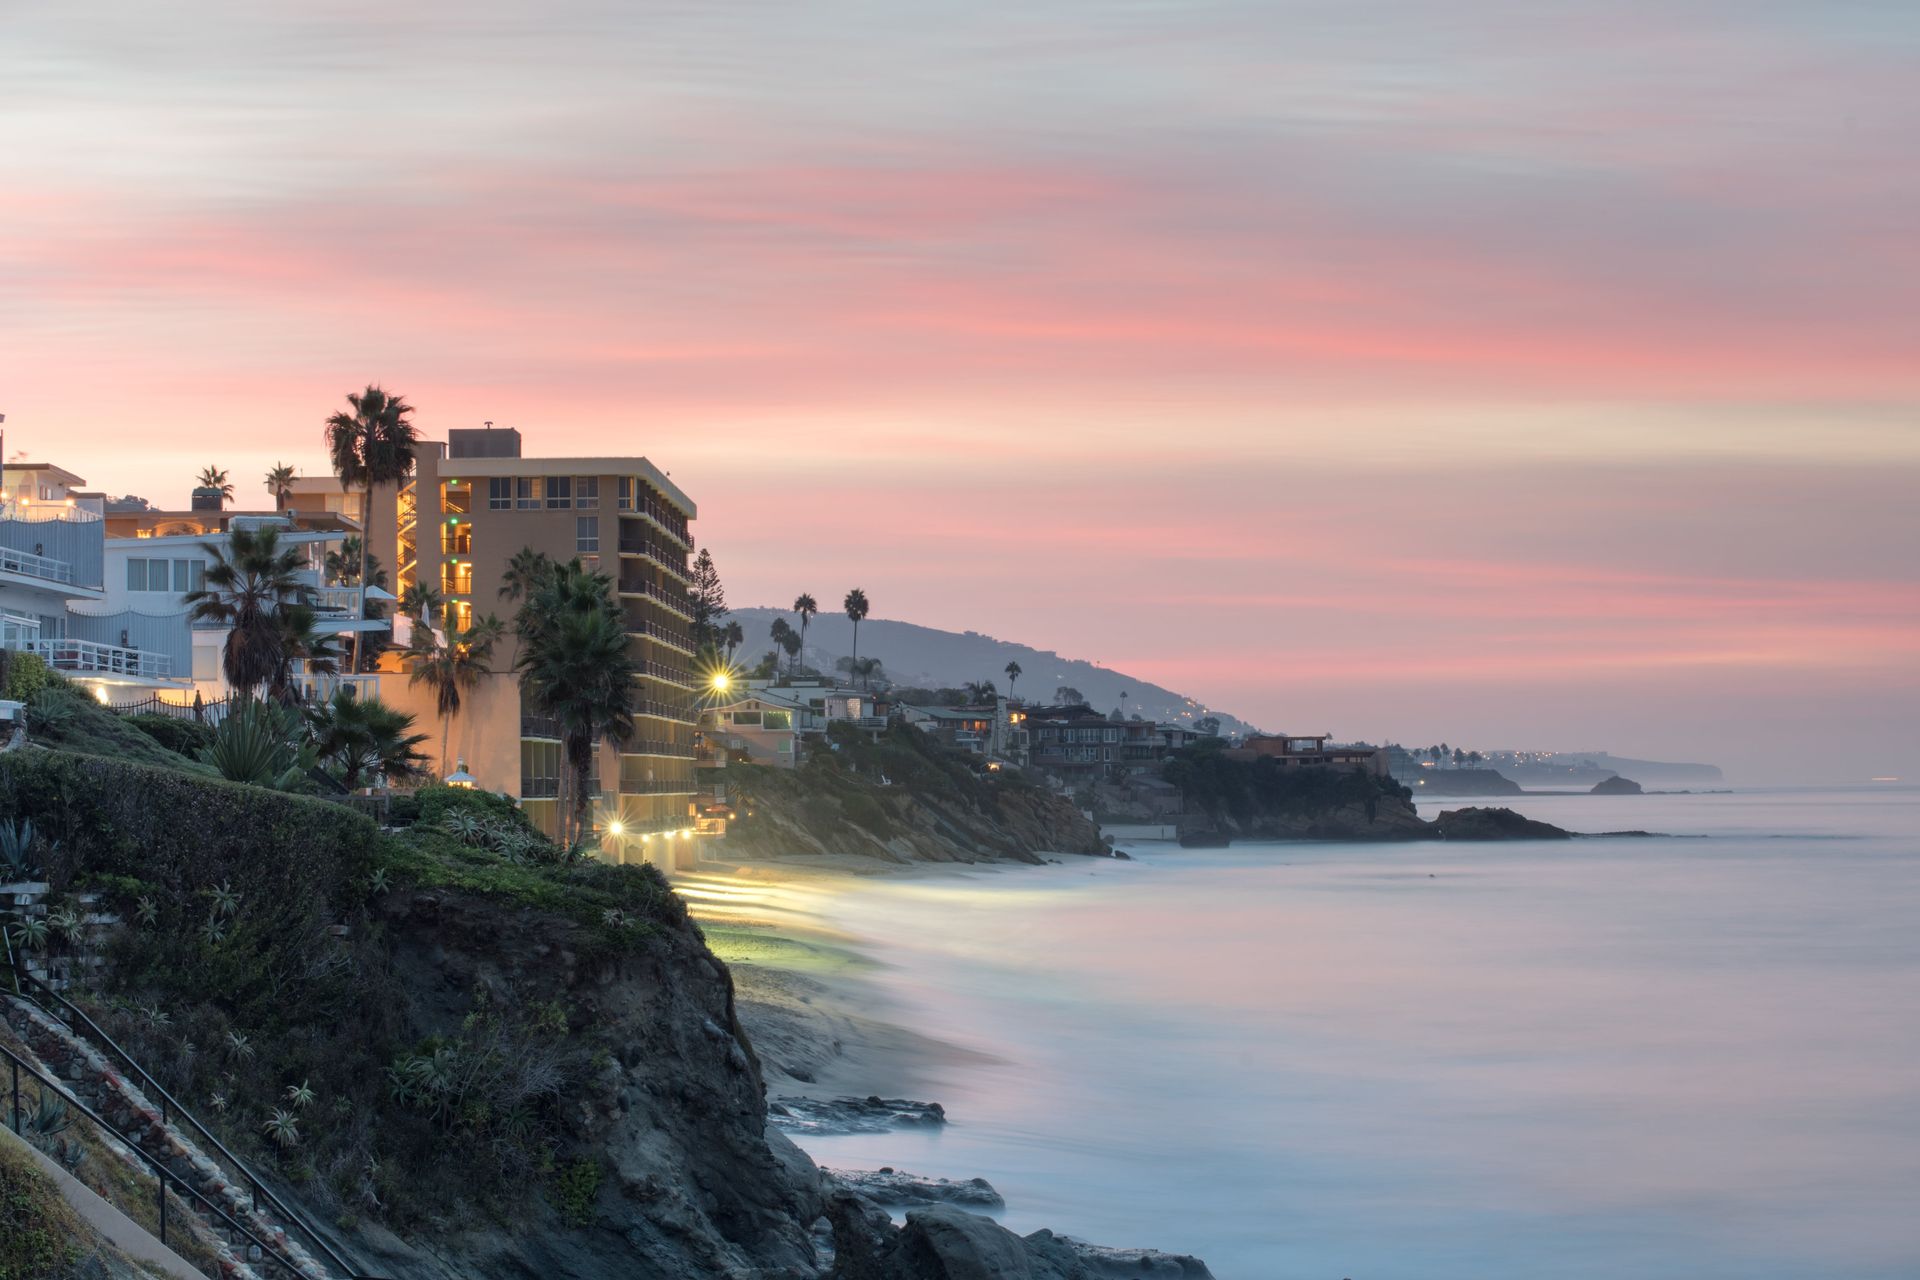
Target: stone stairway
(96, 1082)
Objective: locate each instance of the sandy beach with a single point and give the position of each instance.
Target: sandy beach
(819, 1024)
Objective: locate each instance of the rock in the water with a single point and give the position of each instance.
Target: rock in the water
(1494, 824)
(1616, 786)
(946, 1243)
(890, 1186)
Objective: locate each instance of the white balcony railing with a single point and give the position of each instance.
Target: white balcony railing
(88, 657)
(35, 566)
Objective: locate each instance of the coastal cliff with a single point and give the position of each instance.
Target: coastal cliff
(899, 798)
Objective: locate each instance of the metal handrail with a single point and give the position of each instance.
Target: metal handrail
(162, 1175)
(170, 1106)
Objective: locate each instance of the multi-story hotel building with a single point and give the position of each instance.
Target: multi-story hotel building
(471, 506)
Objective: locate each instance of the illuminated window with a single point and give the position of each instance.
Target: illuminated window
(456, 539)
(526, 492)
(456, 578)
(456, 498)
(456, 616)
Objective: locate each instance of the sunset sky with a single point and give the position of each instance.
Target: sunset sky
(1518, 374)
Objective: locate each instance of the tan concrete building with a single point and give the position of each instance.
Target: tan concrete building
(473, 504)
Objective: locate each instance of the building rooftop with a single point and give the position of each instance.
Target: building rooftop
(602, 466)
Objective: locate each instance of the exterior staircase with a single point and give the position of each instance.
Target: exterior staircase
(261, 1237)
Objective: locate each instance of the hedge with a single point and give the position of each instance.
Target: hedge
(184, 834)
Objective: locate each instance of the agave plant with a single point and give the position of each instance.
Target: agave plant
(283, 1127)
(51, 708)
(46, 1127)
(16, 851)
(260, 744)
(146, 911)
(68, 923)
(467, 828)
(30, 934)
(300, 1095)
(240, 1046)
(225, 901)
(214, 931)
(379, 882)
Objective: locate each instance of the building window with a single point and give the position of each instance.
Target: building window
(456, 578)
(526, 492)
(456, 498)
(586, 492)
(456, 616)
(176, 577)
(586, 534)
(559, 491)
(456, 539)
(500, 493)
(625, 500)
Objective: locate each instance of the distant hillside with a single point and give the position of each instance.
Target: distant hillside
(1536, 768)
(930, 658)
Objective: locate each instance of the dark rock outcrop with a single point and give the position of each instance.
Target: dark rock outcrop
(853, 1115)
(1616, 786)
(945, 1243)
(1494, 824)
(892, 1187)
(1465, 782)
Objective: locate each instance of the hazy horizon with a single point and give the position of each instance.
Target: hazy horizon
(1488, 373)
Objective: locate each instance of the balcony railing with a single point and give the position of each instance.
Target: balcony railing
(88, 657)
(539, 727)
(35, 566)
(656, 747)
(661, 671)
(657, 787)
(673, 600)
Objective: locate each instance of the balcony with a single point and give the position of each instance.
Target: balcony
(89, 658)
(657, 787)
(456, 539)
(673, 600)
(539, 727)
(33, 566)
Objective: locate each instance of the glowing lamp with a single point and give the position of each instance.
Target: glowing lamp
(461, 778)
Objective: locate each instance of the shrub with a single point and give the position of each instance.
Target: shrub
(435, 801)
(181, 736)
(574, 1191)
(181, 832)
(27, 674)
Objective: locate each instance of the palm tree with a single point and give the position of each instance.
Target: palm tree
(212, 477)
(576, 666)
(979, 690)
(251, 579)
(372, 445)
(366, 738)
(420, 601)
(733, 637)
(1013, 675)
(856, 606)
(453, 669)
(526, 571)
(280, 484)
(346, 565)
(779, 632)
(806, 606)
(301, 641)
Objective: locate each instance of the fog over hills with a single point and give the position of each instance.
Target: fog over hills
(927, 657)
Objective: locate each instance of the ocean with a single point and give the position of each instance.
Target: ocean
(1694, 1057)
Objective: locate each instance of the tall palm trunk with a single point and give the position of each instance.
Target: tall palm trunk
(446, 723)
(795, 664)
(366, 536)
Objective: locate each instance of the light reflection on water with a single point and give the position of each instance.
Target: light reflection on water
(1688, 1058)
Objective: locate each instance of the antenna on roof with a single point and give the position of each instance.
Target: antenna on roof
(488, 424)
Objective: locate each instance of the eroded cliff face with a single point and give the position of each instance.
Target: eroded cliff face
(1382, 817)
(818, 811)
(670, 1111)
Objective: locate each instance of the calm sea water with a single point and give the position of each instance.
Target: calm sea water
(1678, 1058)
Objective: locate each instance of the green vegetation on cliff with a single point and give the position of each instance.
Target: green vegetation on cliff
(1262, 797)
(419, 1028)
(900, 797)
